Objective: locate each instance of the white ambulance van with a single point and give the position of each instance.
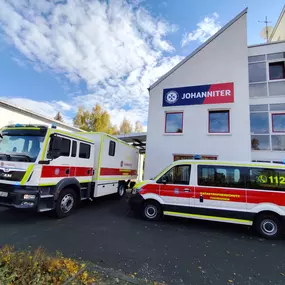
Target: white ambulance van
(47, 169)
(233, 192)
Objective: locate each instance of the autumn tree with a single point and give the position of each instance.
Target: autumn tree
(96, 120)
(126, 127)
(138, 127)
(58, 117)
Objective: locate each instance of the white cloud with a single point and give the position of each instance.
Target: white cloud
(206, 28)
(118, 49)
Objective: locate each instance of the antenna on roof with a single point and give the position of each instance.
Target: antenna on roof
(266, 31)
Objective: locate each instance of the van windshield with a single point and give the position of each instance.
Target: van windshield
(21, 145)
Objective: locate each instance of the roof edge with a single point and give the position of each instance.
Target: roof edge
(29, 112)
(266, 44)
(226, 26)
(277, 23)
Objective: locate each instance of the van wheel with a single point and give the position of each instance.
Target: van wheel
(152, 211)
(121, 190)
(65, 203)
(268, 226)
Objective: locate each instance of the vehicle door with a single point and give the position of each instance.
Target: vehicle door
(221, 189)
(175, 188)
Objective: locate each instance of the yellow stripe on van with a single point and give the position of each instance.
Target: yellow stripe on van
(205, 217)
(27, 174)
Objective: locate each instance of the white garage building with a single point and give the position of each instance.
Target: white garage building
(224, 101)
(11, 114)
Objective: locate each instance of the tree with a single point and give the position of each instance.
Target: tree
(58, 117)
(96, 120)
(126, 127)
(138, 127)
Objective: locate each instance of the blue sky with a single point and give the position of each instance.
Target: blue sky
(58, 56)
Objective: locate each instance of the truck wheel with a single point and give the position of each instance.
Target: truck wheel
(65, 203)
(268, 226)
(121, 190)
(152, 211)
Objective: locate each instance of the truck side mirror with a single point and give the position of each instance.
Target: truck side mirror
(54, 149)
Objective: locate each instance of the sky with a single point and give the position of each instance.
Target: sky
(58, 55)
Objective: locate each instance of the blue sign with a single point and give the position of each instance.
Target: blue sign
(196, 95)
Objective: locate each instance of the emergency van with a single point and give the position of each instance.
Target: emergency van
(247, 193)
(48, 169)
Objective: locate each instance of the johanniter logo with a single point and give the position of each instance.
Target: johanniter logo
(171, 97)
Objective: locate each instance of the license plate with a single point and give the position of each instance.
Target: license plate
(3, 194)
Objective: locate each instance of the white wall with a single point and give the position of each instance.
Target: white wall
(8, 117)
(222, 60)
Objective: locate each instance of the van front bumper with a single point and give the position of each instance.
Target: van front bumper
(21, 197)
(136, 202)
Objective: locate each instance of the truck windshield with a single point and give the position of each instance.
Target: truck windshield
(21, 145)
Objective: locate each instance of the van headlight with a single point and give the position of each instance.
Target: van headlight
(136, 190)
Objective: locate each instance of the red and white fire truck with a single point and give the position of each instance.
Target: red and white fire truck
(48, 169)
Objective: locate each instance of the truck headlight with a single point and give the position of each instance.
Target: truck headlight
(136, 190)
(29, 197)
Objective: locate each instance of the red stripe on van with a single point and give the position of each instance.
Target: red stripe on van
(49, 171)
(117, 171)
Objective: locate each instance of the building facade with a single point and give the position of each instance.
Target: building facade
(224, 101)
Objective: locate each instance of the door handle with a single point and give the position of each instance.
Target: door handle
(187, 190)
(67, 171)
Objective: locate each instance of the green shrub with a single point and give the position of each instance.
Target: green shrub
(37, 268)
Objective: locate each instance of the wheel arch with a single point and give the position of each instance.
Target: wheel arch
(72, 183)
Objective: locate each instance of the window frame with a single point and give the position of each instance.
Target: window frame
(159, 179)
(69, 153)
(268, 73)
(74, 143)
(272, 123)
(84, 143)
(114, 149)
(219, 111)
(165, 121)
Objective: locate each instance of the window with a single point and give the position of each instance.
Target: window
(277, 55)
(74, 149)
(278, 123)
(259, 123)
(266, 179)
(256, 58)
(219, 121)
(257, 72)
(174, 122)
(260, 142)
(84, 150)
(179, 174)
(65, 147)
(277, 70)
(221, 176)
(278, 142)
(112, 148)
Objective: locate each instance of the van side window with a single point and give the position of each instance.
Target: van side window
(84, 150)
(65, 147)
(266, 179)
(74, 149)
(221, 176)
(179, 174)
(112, 148)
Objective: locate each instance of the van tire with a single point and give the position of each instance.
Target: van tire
(268, 226)
(121, 190)
(152, 211)
(65, 203)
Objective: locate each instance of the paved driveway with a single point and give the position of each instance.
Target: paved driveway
(178, 251)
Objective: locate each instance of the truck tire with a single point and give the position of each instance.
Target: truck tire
(152, 211)
(268, 226)
(65, 203)
(121, 190)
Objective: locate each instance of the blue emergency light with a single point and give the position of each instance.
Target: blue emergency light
(18, 125)
(53, 125)
(197, 156)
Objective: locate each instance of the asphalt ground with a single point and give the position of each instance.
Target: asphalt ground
(174, 250)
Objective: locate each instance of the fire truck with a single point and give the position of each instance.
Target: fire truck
(47, 169)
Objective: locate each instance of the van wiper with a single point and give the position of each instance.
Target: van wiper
(8, 156)
(24, 155)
